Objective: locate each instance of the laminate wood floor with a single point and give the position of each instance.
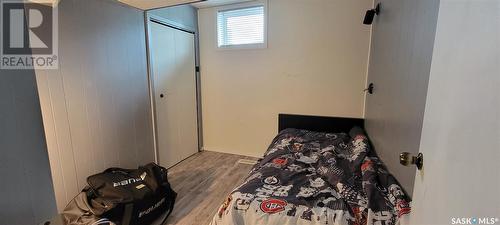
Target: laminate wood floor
(202, 182)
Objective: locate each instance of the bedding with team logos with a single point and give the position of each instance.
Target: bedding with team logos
(308, 178)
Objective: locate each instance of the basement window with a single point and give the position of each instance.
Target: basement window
(241, 27)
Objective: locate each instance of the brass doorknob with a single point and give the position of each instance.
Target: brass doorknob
(407, 159)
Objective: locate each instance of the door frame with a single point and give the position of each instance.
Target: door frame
(148, 19)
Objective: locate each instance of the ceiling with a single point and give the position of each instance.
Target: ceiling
(46, 2)
(154, 4)
(212, 3)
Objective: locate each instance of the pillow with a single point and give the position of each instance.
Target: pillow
(356, 132)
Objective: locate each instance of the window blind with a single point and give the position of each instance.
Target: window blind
(240, 26)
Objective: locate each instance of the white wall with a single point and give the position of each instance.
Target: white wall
(460, 136)
(315, 64)
(95, 108)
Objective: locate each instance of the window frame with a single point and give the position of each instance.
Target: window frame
(258, 3)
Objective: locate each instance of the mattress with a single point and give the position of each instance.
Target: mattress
(308, 178)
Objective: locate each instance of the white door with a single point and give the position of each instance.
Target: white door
(174, 83)
(460, 180)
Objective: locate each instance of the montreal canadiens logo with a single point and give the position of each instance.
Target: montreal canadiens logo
(273, 205)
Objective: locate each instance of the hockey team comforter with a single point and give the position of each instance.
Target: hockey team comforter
(316, 178)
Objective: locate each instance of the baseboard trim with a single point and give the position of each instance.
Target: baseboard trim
(230, 152)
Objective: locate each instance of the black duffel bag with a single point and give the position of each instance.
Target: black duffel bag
(123, 197)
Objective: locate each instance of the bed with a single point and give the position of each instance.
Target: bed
(317, 170)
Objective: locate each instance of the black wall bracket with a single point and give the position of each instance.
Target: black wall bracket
(370, 14)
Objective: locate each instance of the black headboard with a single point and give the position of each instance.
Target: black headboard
(318, 123)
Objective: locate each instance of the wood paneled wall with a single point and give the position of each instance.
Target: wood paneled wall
(26, 186)
(96, 106)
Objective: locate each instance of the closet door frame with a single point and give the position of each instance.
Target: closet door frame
(148, 19)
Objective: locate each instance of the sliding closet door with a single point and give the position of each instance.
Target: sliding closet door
(174, 84)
